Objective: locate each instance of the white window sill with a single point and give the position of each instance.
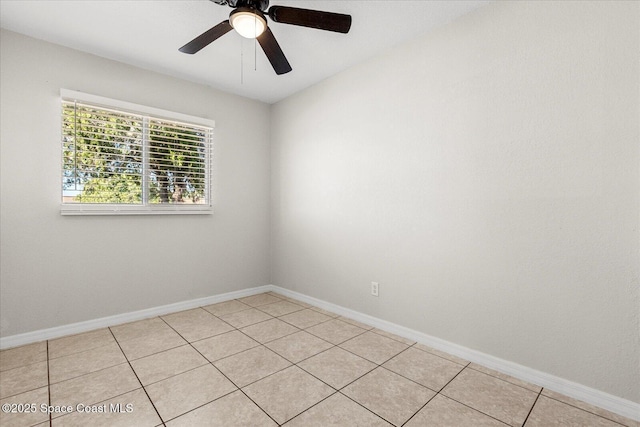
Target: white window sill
(77, 209)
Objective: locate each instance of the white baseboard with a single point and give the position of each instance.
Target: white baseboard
(607, 401)
(89, 325)
(615, 404)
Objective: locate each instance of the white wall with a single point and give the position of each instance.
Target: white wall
(58, 270)
(487, 176)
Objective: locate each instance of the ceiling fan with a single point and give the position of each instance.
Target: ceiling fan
(248, 18)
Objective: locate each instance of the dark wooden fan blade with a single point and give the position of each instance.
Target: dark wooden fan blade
(272, 49)
(207, 37)
(311, 18)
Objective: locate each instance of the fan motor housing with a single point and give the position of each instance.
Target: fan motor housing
(253, 4)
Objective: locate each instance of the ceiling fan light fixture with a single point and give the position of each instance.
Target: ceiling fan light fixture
(248, 19)
(248, 23)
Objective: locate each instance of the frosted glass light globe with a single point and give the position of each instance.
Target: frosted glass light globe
(248, 24)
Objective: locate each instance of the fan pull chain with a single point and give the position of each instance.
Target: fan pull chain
(241, 61)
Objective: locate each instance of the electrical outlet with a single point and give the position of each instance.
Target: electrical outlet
(374, 288)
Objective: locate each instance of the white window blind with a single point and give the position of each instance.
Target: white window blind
(120, 159)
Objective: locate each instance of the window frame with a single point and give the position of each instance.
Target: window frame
(144, 208)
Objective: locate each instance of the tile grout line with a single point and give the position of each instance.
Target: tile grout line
(299, 367)
(103, 369)
(301, 330)
(315, 404)
(505, 380)
(104, 401)
(432, 397)
(275, 339)
(24, 366)
(361, 405)
(138, 378)
(341, 342)
(339, 390)
(279, 318)
(473, 409)
(326, 383)
(402, 376)
(454, 377)
(263, 344)
(586, 410)
(395, 355)
(266, 376)
(30, 390)
(468, 366)
(464, 404)
(378, 365)
(204, 404)
(311, 326)
(531, 409)
(309, 357)
(127, 360)
(259, 343)
(255, 403)
(415, 382)
(86, 349)
(284, 336)
(419, 409)
(249, 324)
(336, 391)
(284, 314)
(412, 380)
(221, 373)
(89, 373)
(293, 364)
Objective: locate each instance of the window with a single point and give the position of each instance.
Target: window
(122, 158)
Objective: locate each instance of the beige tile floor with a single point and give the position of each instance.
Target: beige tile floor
(266, 360)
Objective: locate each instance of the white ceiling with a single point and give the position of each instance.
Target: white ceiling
(148, 33)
